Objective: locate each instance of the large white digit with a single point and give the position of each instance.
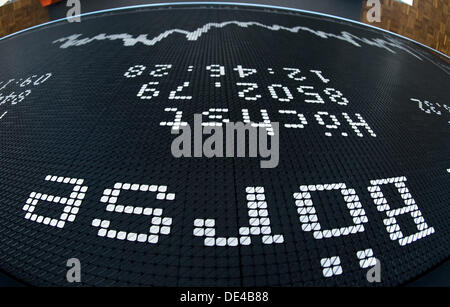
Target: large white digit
(27, 81)
(336, 96)
(244, 72)
(159, 225)
(392, 226)
(318, 99)
(250, 87)
(161, 70)
(42, 79)
(20, 97)
(309, 219)
(71, 204)
(173, 94)
(146, 88)
(319, 74)
(216, 70)
(285, 97)
(447, 108)
(176, 123)
(134, 71)
(294, 72)
(430, 108)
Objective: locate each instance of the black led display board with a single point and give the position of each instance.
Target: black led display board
(114, 151)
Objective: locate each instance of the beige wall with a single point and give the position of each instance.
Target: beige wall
(21, 14)
(427, 21)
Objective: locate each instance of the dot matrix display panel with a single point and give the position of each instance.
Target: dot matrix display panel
(87, 114)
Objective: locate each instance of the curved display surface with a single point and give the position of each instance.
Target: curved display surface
(110, 133)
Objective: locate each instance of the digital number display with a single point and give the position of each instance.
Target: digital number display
(90, 113)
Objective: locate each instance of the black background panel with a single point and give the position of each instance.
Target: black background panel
(68, 110)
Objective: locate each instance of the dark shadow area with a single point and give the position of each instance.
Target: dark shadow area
(437, 277)
(7, 281)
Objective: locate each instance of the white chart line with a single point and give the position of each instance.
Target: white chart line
(128, 39)
(225, 3)
(1, 116)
